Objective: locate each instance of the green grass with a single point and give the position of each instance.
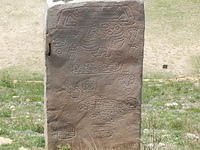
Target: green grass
(21, 109)
(66, 147)
(21, 112)
(169, 125)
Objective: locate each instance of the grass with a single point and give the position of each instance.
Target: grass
(21, 112)
(66, 147)
(21, 109)
(169, 125)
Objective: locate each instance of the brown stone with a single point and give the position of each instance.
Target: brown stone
(94, 58)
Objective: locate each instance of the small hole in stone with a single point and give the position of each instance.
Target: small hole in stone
(49, 54)
(165, 66)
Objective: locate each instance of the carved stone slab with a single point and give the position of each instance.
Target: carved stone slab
(94, 58)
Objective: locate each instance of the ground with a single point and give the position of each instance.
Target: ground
(172, 36)
(170, 112)
(170, 109)
(21, 38)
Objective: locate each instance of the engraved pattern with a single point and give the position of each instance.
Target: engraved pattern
(104, 109)
(81, 86)
(94, 68)
(102, 131)
(61, 130)
(67, 132)
(94, 74)
(90, 37)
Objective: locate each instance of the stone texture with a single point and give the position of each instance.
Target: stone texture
(94, 58)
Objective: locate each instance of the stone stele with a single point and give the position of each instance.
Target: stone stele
(94, 59)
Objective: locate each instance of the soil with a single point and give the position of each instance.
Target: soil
(22, 39)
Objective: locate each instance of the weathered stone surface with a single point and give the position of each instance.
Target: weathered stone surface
(94, 55)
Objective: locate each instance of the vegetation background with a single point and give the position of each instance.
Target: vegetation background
(171, 97)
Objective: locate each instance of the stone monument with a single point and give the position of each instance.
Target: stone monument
(94, 59)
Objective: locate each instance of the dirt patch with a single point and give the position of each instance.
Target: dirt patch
(171, 37)
(21, 38)
(5, 141)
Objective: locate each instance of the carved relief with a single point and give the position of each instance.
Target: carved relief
(61, 130)
(102, 131)
(127, 80)
(104, 109)
(95, 68)
(107, 41)
(68, 18)
(114, 35)
(66, 132)
(124, 13)
(76, 88)
(94, 73)
(58, 45)
(132, 102)
(72, 17)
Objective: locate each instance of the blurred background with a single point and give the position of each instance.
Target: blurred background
(171, 38)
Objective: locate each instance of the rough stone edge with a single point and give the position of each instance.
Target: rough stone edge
(50, 3)
(45, 89)
(75, 3)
